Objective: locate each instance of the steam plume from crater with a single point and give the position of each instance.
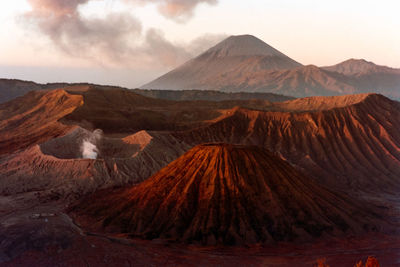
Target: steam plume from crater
(89, 145)
(89, 150)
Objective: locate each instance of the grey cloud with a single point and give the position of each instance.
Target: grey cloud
(177, 10)
(204, 42)
(117, 39)
(171, 54)
(79, 36)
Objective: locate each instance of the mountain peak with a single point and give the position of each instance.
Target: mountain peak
(359, 62)
(360, 67)
(234, 56)
(243, 45)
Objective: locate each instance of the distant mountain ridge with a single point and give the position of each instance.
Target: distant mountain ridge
(12, 88)
(246, 64)
(360, 67)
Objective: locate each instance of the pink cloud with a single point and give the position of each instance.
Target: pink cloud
(111, 40)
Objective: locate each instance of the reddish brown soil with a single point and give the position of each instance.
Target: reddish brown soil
(351, 142)
(103, 251)
(226, 194)
(57, 170)
(42, 115)
(33, 118)
(355, 146)
(54, 239)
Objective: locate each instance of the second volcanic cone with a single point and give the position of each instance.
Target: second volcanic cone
(227, 194)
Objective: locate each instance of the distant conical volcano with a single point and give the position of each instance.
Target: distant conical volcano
(236, 54)
(226, 194)
(244, 63)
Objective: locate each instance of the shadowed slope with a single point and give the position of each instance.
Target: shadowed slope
(229, 195)
(209, 95)
(123, 111)
(10, 89)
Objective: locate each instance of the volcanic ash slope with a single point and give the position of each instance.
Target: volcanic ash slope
(226, 194)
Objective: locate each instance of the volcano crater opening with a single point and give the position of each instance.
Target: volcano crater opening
(80, 144)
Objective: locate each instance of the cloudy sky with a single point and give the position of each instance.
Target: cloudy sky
(130, 42)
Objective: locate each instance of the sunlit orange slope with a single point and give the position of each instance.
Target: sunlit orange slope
(226, 194)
